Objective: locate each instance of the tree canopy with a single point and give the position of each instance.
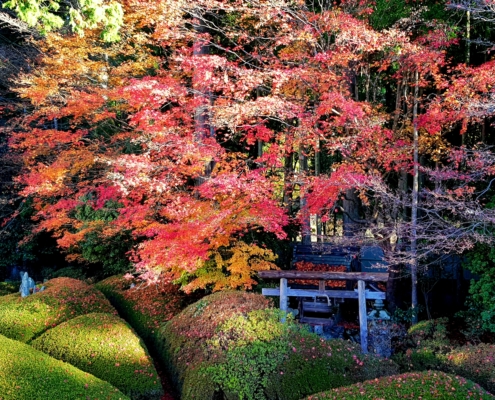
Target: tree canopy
(211, 129)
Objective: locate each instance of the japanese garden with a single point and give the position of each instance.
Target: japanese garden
(247, 199)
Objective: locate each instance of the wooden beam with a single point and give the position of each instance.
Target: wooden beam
(283, 297)
(363, 318)
(343, 294)
(327, 276)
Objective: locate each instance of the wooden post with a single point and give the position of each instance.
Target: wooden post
(283, 296)
(363, 322)
(321, 286)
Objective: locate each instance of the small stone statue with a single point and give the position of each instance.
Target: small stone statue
(31, 285)
(24, 288)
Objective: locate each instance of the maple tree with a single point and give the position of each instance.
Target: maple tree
(139, 174)
(209, 125)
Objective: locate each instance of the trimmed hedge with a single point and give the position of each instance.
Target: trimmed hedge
(180, 341)
(475, 362)
(419, 385)
(9, 287)
(64, 298)
(104, 345)
(144, 307)
(26, 373)
(232, 344)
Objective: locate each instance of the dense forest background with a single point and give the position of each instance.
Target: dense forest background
(193, 142)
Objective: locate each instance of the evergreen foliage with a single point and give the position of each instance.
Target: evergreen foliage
(481, 261)
(9, 287)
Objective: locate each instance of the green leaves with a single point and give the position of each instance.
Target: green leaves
(49, 16)
(482, 262)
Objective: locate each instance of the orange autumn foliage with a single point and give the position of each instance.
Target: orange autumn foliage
(309, 266)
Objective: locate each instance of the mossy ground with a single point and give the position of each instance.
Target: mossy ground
(27, 373)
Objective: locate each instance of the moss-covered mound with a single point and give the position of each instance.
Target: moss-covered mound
(431, 350)
(26, 373)
(145, 307)
(473, 362)
(104, 345)
(9, 288)
(64, 298)
(417, 385)
(233, 345)
(181, 340)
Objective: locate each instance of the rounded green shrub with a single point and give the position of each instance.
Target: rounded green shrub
(315, 364)
(27, 373)
(63, 299)
(431, 334)
(424, 346)
(249, 354)
(473, 362)
(9, 288)
(145, 307)
(105, 346)
(421, 359)
(180, 342)
(69, 272)
(417, 385)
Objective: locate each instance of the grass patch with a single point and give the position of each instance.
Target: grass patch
(105, 346)
(418, 385)
(64, 298)
(26, 373)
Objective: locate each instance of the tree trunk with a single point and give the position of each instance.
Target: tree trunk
(468, 37)
(305, 218)
(288, 170)
(414, 207)
(202, 127)
(351, 212)
(318, 222)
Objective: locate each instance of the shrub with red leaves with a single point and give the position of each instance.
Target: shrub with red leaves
(309, 266)
(145, 306)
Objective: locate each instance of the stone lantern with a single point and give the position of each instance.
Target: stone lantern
(379, 330)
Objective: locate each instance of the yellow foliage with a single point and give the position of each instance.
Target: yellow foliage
(232, 268)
